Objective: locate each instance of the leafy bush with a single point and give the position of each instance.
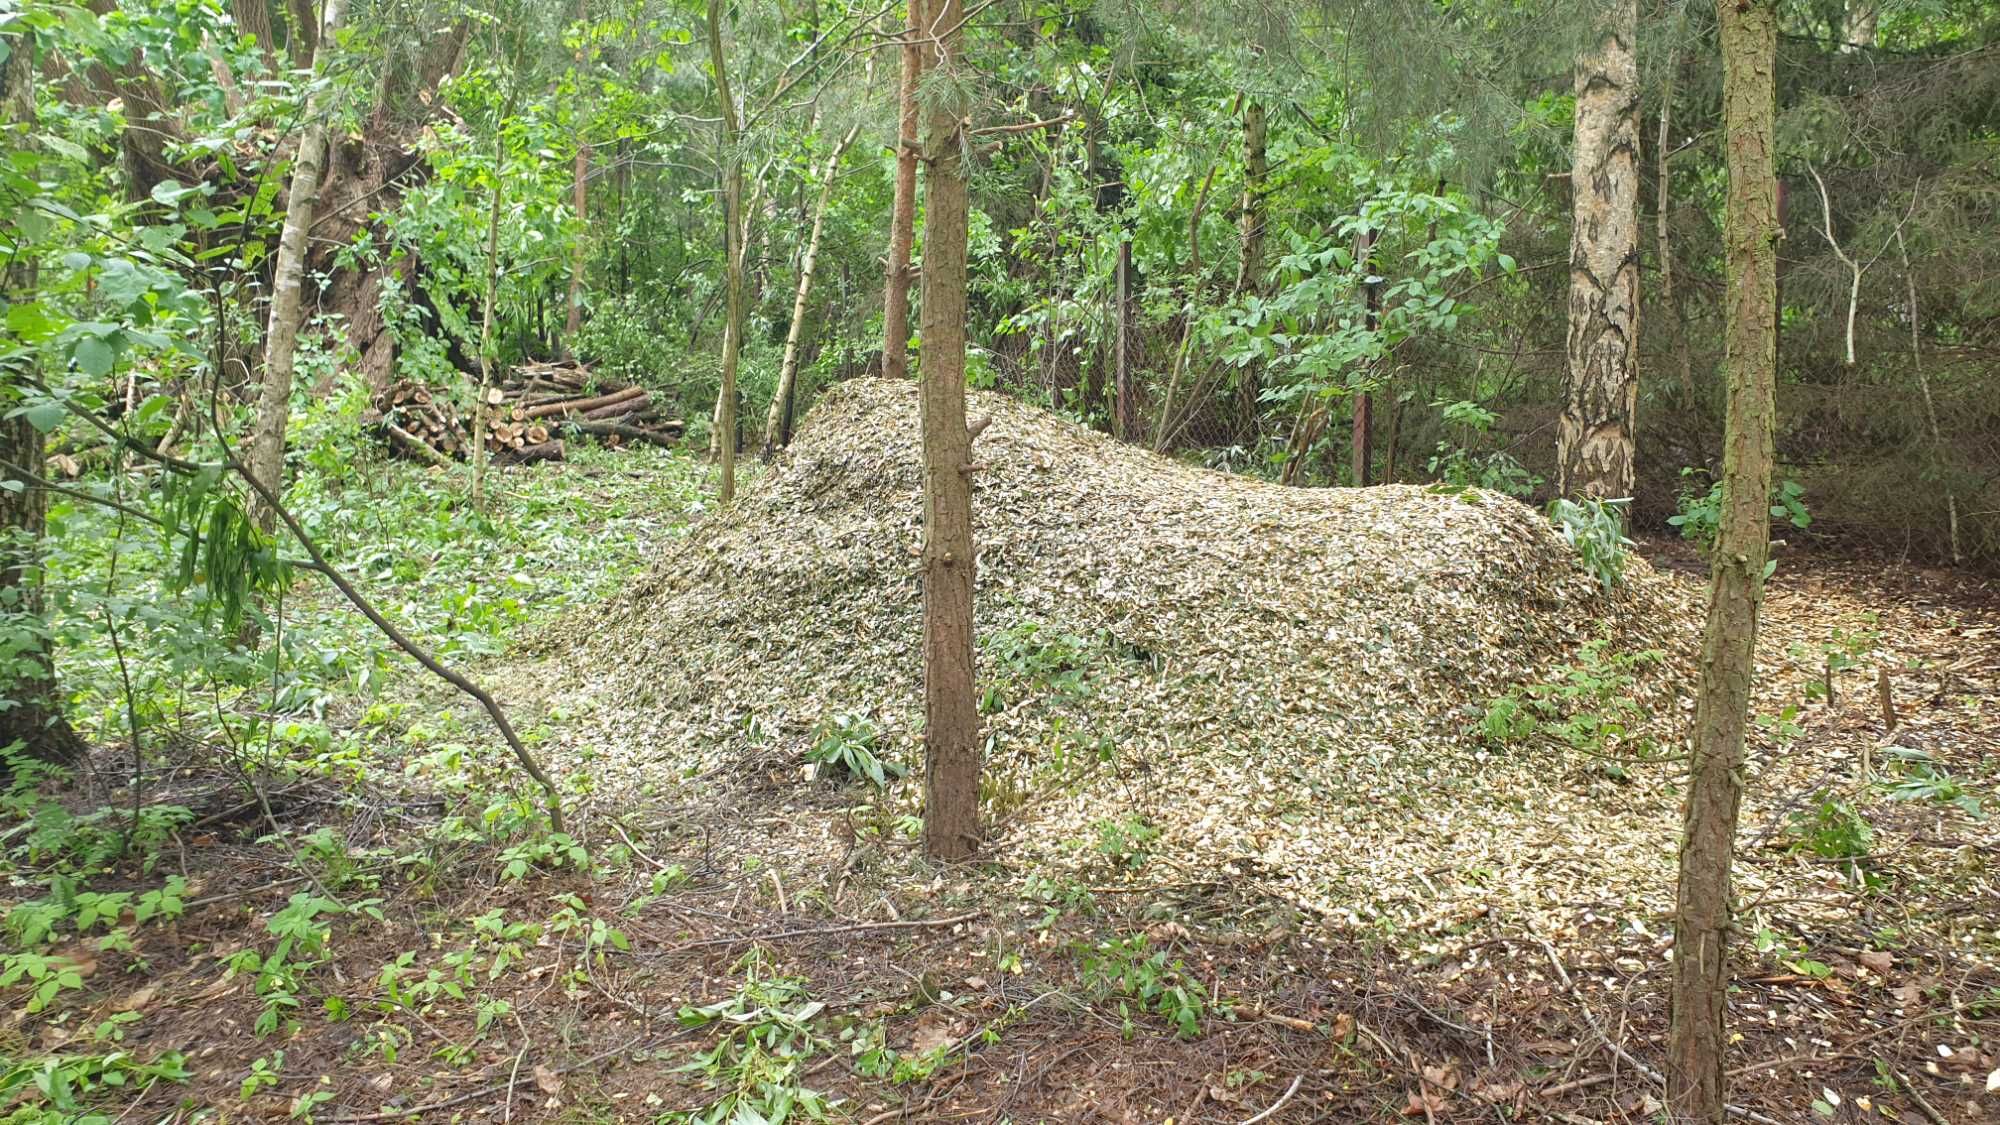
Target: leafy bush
(1700, 513)
(1129, 969)
(852, 743)
(1596, 530)
(1461, 464)
(1590, 706)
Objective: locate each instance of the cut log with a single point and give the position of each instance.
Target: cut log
(579, 406)
(621, 430)
(620, 408)
(414, 445)
(523, 454)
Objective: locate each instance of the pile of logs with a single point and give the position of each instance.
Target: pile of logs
(527, 416)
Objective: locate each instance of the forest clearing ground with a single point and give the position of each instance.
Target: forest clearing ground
(501, 983)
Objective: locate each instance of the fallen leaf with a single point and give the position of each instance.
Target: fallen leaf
(1877, 962)
(547, 1081)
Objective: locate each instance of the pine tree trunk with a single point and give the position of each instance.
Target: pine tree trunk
(778, 421)
(951, 717)
(724, 437)
(30, 704)
(1663, 175)
(1594, 436)
(281, 338)
(1698, 1041)
(902, 213)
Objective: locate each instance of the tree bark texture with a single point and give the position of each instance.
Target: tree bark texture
(488, 296)
(1250, 267)
(30, 704)
(1124, 405)
(1595, 434)
(732, 248)
(778, 420)
(1698, 1041)
(951, 716)
(1361, 452)
(902, 213)
(281, 336)
(579, 200)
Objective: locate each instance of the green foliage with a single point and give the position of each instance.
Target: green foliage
(853, 745)
(1127, 844)
(65, 1089)
(1591, 706)
(1920, 778)
(1032, 657)
(756, 1067)
(1130, 971)
(1833, 829)
(1595, 529)
(1700, 513)
(1459, 462)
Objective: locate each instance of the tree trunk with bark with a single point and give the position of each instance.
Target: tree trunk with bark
(281, 337)
(1256, 166)
(488, 296)
(1124, 405)
(31, 710)
(902, 213)
(1361, 452)
(732, 243)
(579, 200)
(1697, 1046)
(951, 716)
(778, 421)
(1595, 434)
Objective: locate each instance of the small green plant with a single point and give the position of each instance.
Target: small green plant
(1459, 463)
(1595, 529)
(1127, 844)
(1030, 657)
(1843, 652)
(1129, 970)
(1920, 778)
(852, 744)
(60, 1090)
(1590, 706)
(1833, 829)
(264, 1073)
(1699, 514)
(756, 1065)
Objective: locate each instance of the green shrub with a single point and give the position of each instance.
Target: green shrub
(1595, 529)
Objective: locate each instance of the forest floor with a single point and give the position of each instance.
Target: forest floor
(377, 937)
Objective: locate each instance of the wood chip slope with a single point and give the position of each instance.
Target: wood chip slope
(1280, 681)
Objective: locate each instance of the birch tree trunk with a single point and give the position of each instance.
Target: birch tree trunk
(281, 336)
(902, 213)
(30, 705)
(951, 717)
(732, 248)
(778, 421)
(1594, 435)
(1698, 1042)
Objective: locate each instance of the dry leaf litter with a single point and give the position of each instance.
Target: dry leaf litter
(1282, 682)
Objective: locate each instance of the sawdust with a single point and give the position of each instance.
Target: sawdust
(1282, 684)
